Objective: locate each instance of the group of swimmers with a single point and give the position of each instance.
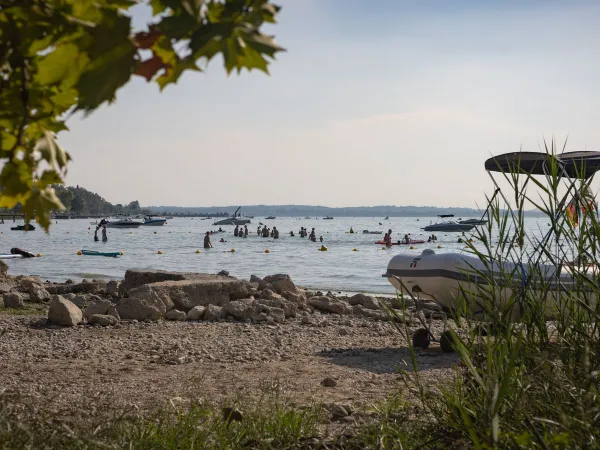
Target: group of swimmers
(304, 232)
(432, 238)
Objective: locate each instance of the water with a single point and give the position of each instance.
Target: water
(339, 269)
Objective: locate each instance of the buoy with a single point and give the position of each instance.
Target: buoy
(155, 232)
(89, 228)
(131, 232)
(354, 250)
(383, 248)
(267, 251)
(79, 252)
(323, 248)
(411, 247)
(233, 250)
(439, 246)
(197, 251)
(122, 253)
(160, 252)
(38, 255)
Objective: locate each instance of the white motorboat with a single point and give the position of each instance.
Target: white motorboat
(154, 221)
(123, 223)
(235, 219)
(449, 226)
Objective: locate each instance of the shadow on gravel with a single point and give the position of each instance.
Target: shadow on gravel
(388, 360)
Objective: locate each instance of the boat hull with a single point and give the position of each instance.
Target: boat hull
(450, 279)
(232, 222)
(123, 224)
(452, 228)
(154, 223)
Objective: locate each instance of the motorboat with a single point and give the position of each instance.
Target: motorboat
(473, 222)
(123, 223)
(449, 226)
(26, 227)
(270, 218)
(328, 218)
(542, 280)
(154, 221)
(235, 219)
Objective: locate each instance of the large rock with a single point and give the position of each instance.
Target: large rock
(158, 298)
(103, 320)
(213, 313)
(295, 297)
(272, 302)
(63, 312)
(70, 288)
(6, 285)
(29, 282)
(277, 314)
(99, 307)
(359, 310)
(281, 282)
(112, 311)
(289, 309)
(138, 309)
(37, 294)
(204, 290)
(365, 301)
(3, 268)
(175, 314)
(240, 309)
(330, 305)
(196, 313)
(137, 277)
(112, 287)
(13, 300)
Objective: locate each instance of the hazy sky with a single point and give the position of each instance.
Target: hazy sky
(375, 102)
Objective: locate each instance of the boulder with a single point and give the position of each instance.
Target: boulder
(63, 312)
(38, 294)
(159, 299)
(281, 282)
(3, 268)
(289, 309)
(295, 297)
(99, 307)
(240, 309)
(112, 287)
(365, 301)
(6, 286)
(330, 305)
(255, 279)
(79, 300)
(70, 288)
(103, 320)
(135, 278)
(112, 311)
(201, 291)
(138, 309)
(358, 310)
(29, 282)
(262, 284)
(272, 302)
(13, 300)
(277, 314)
(175, 314)
(270, 295)
(213, 313)
(196, 313)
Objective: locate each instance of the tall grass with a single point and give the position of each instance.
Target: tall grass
(529, 375)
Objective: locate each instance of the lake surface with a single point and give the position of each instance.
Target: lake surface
(339, 269)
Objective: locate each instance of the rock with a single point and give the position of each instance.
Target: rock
(63, 312)
(289, 309)
(306, 320)
(240, 309)
(175, 314)
(196, 313)
(13, 300)
(295, 297)
(329, 382)
(225, 273)
(69, 281)
(38, 294)
(136, 277)
(270, 295)
(159, 299)
(112, 287)
(103, 320)
(338, 411)
(365, 301)
(28, 282)
(213, 313)
(281, 282)
(255, 279)
(138, 309)
(272, 302)
(101, 284)
(358, 310)
(262, 285)
(3, 268)
(277, 314)
(330, 305)
(112, 311)
(260, 317)
(6, 286)
(99, 307)
(79, 300)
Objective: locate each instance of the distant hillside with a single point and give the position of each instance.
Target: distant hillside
(81, 202)
(320, 211)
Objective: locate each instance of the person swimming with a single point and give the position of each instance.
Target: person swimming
(222, 240)
(275, 233)
(321, 238)
(292, 234)
(236, 231)
(313, 236)
(104, 236)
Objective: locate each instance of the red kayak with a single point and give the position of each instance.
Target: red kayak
(401, 243)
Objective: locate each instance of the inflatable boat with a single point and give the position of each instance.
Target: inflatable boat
(95, 253)
(443, 277)
(10, 256)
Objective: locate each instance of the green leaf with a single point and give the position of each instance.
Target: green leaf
(173, 73)
(62, 66)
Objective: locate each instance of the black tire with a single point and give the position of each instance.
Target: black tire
(447, 342)
(421, 339)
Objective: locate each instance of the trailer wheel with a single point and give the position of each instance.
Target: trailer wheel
(447, 342)
(421, 339)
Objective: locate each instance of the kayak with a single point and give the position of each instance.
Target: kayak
(10, 256)
(95, 253)
(401, 243)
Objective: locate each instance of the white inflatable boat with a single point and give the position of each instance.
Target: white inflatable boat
(444, 277)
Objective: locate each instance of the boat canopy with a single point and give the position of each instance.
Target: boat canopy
(575, 164)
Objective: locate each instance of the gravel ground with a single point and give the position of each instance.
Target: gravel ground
(74, 371)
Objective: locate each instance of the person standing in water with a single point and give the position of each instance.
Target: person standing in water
(236, 231)
(96, 238)
(104, 236)
(207, 243)
(275, 233)
(245, 230)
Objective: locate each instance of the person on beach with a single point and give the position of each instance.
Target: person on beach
(207, 243)
(236, 231)
(104, 236)
(245, 230)
(96, 238)
(275, 233)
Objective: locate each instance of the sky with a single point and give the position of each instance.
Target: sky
(378, 102)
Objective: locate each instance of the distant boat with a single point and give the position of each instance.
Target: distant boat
(124, 223)
(328, 218)
(387, 217)
(270, 218)
(473, 222)
(307, 217)
(235, 219)
(154, 221)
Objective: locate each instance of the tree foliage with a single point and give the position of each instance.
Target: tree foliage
(95, 205)
(62, 56)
